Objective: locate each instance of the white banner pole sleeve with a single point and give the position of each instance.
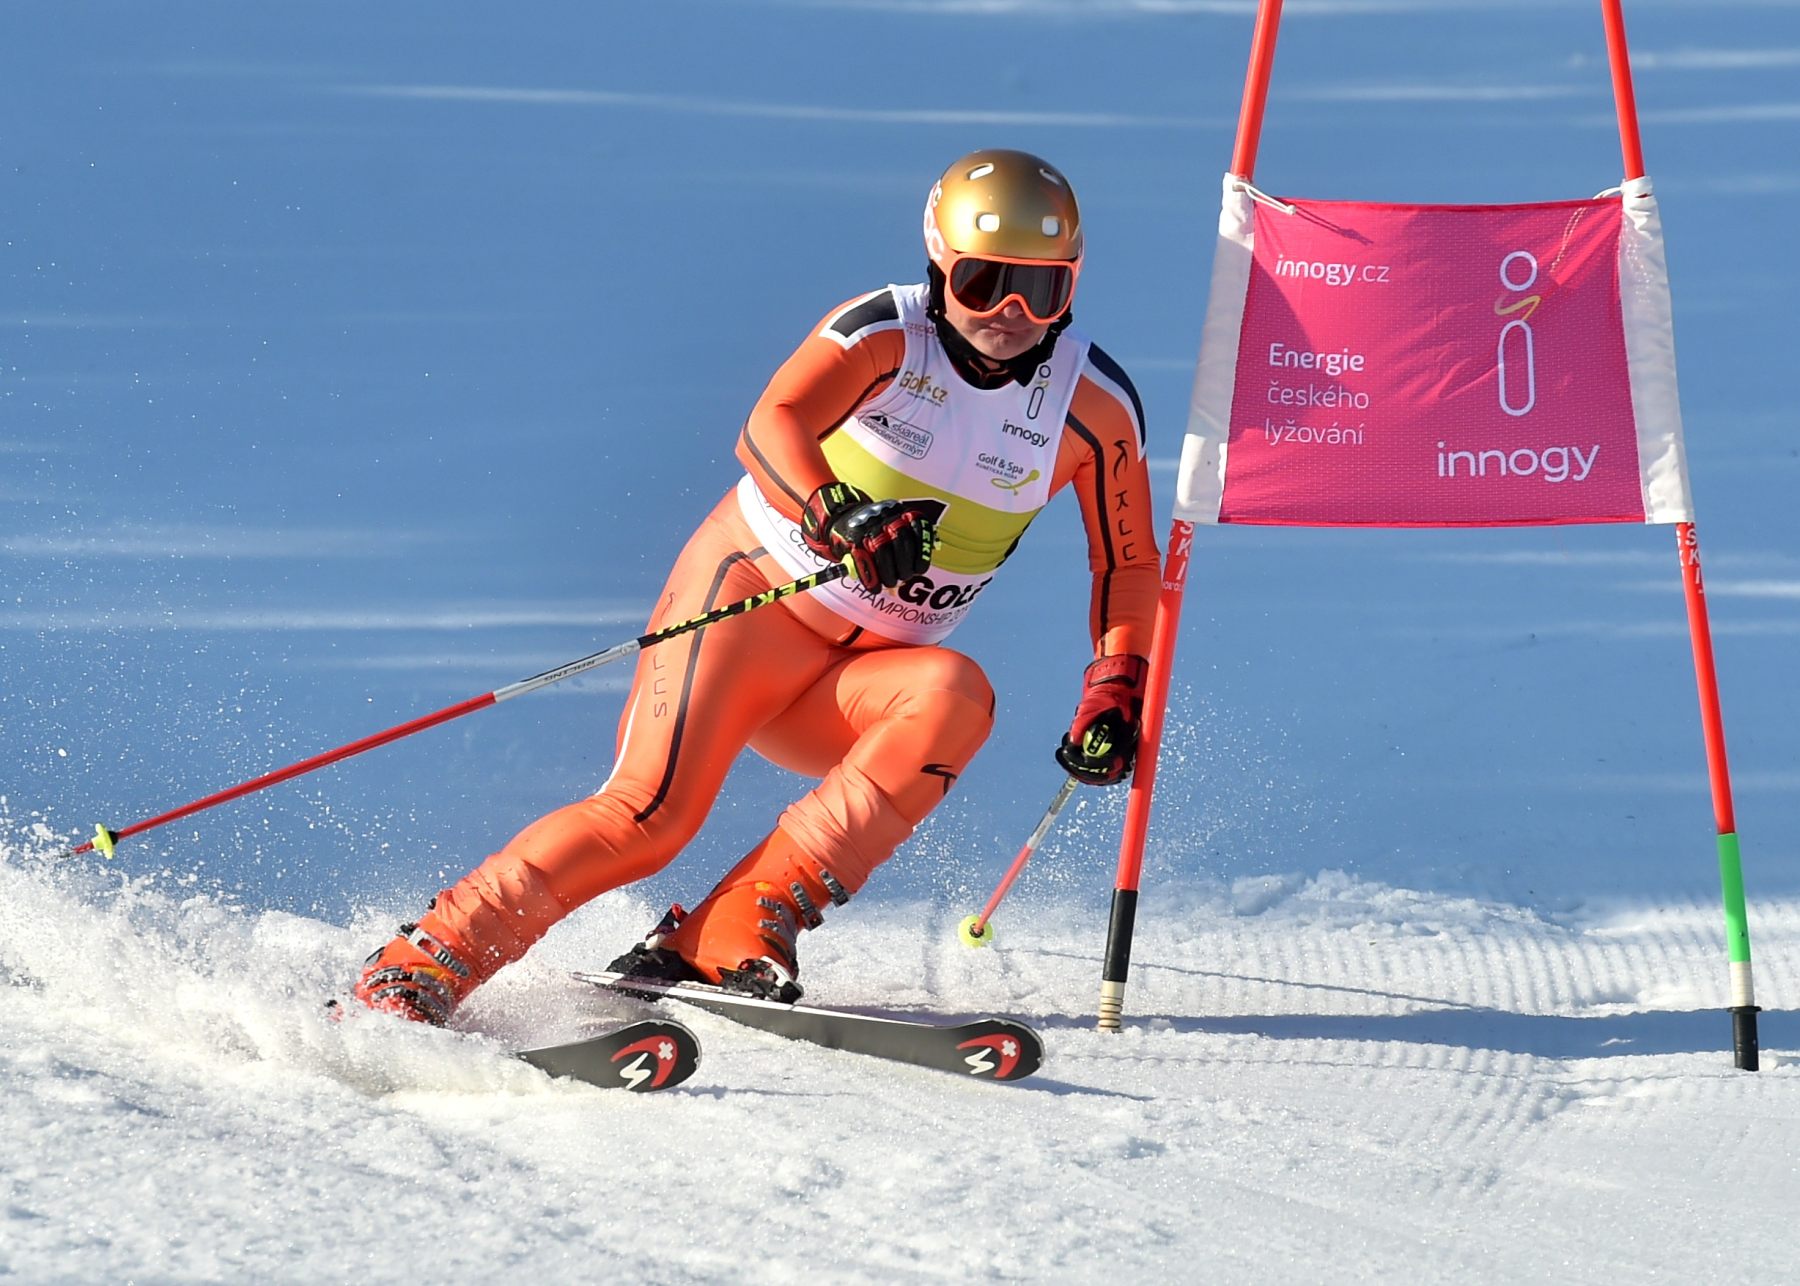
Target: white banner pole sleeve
(1649, 324)
(1200, 483)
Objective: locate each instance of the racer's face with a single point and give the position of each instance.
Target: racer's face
(1002, 335)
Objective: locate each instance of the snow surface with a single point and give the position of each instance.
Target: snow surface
(347, 370)
(1322, 1079)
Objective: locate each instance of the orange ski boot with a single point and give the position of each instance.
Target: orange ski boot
(742, 934)
(422, 974)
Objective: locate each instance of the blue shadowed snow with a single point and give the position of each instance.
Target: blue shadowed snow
(355, 361)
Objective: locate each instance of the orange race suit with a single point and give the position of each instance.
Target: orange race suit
(841, 685)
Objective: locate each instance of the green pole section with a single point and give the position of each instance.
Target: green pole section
(1731, 880)
(1745, 1043)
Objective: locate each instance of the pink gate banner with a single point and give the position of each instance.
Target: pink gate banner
(1431, 365)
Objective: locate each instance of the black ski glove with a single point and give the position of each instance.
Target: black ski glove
(1101, 744)
(888, 541)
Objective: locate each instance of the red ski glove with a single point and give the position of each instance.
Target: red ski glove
(1101, 744)
(887, 540)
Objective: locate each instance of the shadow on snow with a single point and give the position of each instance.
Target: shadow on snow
(1475, 1028)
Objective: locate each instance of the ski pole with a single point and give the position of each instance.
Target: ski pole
(975, 931)
(105, 840)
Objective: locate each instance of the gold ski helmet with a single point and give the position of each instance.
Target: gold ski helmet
(1001, 226)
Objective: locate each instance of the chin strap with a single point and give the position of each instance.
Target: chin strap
(971, 363)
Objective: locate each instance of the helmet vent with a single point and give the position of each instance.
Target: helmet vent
(1052, 175)
(982, 171)
(989, 222)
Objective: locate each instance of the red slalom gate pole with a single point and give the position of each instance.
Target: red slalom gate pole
(1743, 1009)
(105, 840)
(1122, 922)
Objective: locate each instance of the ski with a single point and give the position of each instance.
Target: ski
(643, 1055)
(997, 1049)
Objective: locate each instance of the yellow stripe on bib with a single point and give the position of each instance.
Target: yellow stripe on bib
(972, 538)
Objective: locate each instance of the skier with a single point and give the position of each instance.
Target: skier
(916, 433)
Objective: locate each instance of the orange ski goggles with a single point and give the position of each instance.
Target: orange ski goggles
(985, 284)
